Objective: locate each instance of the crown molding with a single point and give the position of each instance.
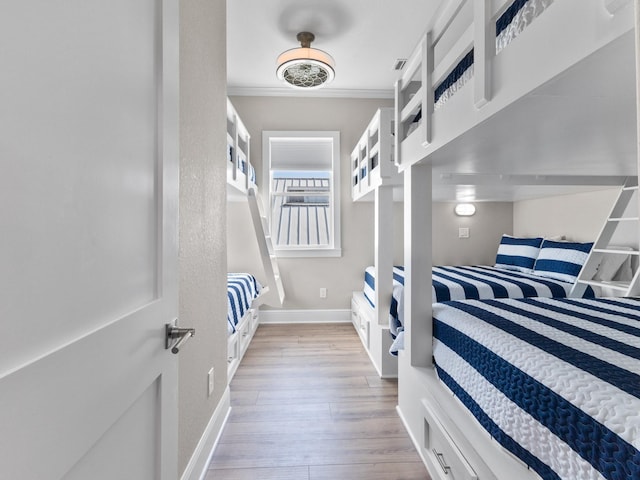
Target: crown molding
(322, 92)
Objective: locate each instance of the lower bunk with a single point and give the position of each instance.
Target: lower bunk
(528, 388)
(376, 338)
(449, 283)
(243, 299)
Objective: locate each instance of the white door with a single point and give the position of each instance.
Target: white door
(88, 237)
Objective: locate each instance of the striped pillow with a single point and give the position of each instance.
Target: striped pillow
(518, 253)
(561, 260)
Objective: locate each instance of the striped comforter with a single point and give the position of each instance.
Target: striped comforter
(242, 288)
(467, 282)
(554, 381)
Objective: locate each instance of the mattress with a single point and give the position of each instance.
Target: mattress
(468, 282)
(556, 382)
(242, 289)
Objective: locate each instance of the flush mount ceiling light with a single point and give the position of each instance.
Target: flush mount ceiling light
(305, 67)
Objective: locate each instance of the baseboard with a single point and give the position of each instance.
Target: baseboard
(305, 316)
(197, 467)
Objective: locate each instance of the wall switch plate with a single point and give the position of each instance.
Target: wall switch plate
(210, 378)
(323, 293)
(463, 232)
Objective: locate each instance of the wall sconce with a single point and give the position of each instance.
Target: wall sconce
(465, 209)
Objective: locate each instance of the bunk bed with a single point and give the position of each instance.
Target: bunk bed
(241, 175)
(243, 300)
(525, 268)
(375, 178)
(561, 88)
(244, 292)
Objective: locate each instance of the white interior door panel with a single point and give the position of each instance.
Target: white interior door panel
(89, 155)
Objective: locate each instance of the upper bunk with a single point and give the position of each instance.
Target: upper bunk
(372, 159)
(551, 94)
(241, 176)
(241, 185)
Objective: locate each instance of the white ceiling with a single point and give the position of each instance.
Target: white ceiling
(580, 123)
(365, 37)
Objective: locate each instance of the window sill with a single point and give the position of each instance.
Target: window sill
(310, 252)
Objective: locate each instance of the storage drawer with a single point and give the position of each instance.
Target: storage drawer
(232, 348)
(448, 461)
(355, 318)
(253, 319)
(364, 330)
(360, 322)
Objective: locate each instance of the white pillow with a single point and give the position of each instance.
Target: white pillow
(610, 264)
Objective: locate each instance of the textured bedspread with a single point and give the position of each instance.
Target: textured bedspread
(242, 288)
(555, 381)
(468, 282)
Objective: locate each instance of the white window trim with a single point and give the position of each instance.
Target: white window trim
(299, 252)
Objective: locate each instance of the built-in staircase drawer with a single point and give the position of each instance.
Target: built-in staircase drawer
(448, 462)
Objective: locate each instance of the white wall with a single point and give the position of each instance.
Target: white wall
(578, 217)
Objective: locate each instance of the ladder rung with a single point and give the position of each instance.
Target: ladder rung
(622, 286)
(633, 187)
(623, 219)
(613, 250)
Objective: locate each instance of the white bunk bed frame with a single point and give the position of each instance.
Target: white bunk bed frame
(240, 186)
(447, 437)
(374, 176)
(238, 342)
(239, 140)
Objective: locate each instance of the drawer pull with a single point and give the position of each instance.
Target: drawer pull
(443, 464)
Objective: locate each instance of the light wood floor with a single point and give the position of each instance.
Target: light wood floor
(308, 405)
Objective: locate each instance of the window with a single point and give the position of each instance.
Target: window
(303, 192)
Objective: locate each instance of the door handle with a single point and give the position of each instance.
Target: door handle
(172, 332)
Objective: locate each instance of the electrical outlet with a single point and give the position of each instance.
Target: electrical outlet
(323, 293)
(210, 378)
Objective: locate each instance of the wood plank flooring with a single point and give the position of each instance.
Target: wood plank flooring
(308, 405)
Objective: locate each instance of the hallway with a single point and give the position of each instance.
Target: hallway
(308, 405)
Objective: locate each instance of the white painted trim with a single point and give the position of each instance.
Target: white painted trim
(196, 469)
(335, 249)
(323, 92)
(307, 252)
(305, 316)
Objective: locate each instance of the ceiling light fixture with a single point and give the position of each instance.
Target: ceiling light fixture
(305, 67)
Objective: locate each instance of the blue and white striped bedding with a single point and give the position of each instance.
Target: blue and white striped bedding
(242, 289)
(555, 381)
(467, 282)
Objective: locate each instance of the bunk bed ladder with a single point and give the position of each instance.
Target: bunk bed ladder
(603, 247)
(265, 244)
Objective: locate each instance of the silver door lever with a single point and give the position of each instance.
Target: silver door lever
(182, 334)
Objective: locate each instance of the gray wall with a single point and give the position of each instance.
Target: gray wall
(486, 227)
(303, 277)
(202, 215)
